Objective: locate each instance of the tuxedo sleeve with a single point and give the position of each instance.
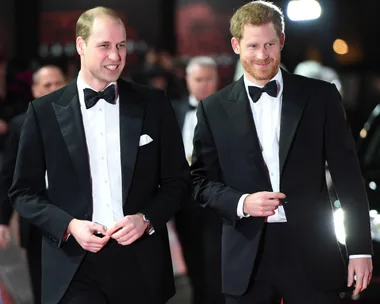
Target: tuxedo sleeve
(28, 191)
(174, 185)
(346, 175)
(208, 188)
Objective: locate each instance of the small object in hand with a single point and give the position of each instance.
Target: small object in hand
(98, 234)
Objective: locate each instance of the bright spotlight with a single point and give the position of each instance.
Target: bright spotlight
(373, 213)
(375, 225)
(372, 185)
(363, 133)
(340, 47)
(301, 10)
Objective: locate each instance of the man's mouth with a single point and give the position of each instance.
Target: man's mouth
(111, 67)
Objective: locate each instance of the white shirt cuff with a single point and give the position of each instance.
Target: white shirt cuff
(240, 207)
(360, 256)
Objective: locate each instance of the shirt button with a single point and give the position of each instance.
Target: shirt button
(106, 181)
(101, 133)
(102, 157)
(100, 110)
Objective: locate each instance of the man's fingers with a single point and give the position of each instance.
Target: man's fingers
(95, 243)
(274, 195)
(357, 289)
(358, 284)
(94, 249)
(366, 279)
(95, 240)
(350, 280)
(270, 203)
(124, 233)
(118, 225)
(130, 240)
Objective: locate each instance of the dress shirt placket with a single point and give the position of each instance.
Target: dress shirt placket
(103, 203)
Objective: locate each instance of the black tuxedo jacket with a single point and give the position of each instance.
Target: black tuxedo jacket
(227, 163)
(154, 181)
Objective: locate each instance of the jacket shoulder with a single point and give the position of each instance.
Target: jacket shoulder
(218, 96)
(42, 101)
(310, 83)
(143, 90)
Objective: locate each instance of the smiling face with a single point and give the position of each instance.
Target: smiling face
(104, 53)
(260, 52)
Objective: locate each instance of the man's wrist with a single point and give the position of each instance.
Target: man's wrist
(240, 207)
(148, 226)
(70, 226)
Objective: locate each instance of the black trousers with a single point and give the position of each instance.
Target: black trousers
(199, 231)
(33, 253)
(278, 274)
(106, 278)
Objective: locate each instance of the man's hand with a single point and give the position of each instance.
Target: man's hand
(362, 269)
(5, 236)
(83, 232)
(129, 229)
(262, 203)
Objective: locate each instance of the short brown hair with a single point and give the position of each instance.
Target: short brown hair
(86, 20)
(257, 13)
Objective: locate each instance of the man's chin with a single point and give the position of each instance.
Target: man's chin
(112, 78)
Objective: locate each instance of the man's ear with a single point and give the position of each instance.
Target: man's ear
(80, 44)
(235, 45)
(282, 40)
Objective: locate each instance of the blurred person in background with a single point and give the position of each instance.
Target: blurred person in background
(47, 79)
(158, 69)
(260, 147)
(199, 229)
(316, 70)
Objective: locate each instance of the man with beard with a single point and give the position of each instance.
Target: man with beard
(116, 172)
(260, 148)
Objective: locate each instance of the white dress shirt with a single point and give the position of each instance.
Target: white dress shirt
(188, 129)
(267, 116)
(102, 130)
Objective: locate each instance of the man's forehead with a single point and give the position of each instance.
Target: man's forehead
(104, 25)
(51, 76)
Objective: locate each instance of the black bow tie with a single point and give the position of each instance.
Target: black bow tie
(91, 97)
(270, 88)
(191, 107)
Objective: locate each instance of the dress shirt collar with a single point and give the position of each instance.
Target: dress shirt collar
(193, 101)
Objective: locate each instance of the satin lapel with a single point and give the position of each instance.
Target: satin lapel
(132, 109)
(240, 114)
(69, 117)
(293, 103)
